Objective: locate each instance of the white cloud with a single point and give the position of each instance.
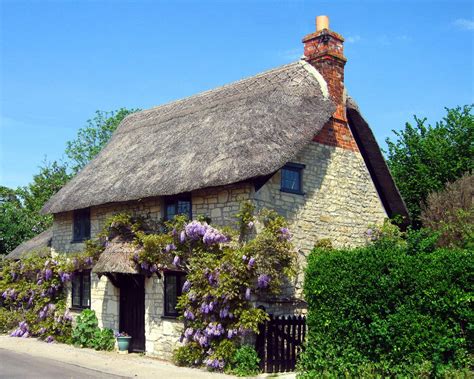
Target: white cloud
(353, 39)
(464, 24)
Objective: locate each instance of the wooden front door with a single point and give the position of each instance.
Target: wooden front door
(132, 309)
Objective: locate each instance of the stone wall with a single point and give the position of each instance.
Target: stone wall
(339, 201)
(161, 333)
(105, 299)
(220, 204)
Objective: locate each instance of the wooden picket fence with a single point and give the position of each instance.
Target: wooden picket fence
(279, 342)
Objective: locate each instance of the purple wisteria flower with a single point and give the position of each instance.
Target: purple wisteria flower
(192, 296)
(48, 274)
(182, 237)
(214, 330)
(89, 261)
(224, 312)
(65, 277)
(176, 260)
(145, 266)
(215, 363)
(205, 308)
(263, 281)
(200, 338)
(188, 314)
(186, 286)
(22, 329)
(50, 339)
(170, 247)
(231, 333)
(247, 294)
(188, 332)
(244, 258)
(196, 230)
(251, 263)
(285, 234)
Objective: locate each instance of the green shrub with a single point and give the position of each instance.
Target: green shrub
(245, 361)
(394, 307)
(87, 333)
(188, 355)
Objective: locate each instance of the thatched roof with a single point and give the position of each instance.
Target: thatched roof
(117, 258)
(244, 130)
(41, 245)
(375, 162)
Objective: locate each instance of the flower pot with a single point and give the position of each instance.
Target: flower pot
(123, 343)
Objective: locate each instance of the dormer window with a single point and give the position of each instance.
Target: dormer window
(292, 178)
(82, 225)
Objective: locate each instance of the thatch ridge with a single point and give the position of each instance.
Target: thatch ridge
(237, 132)
(40, 244)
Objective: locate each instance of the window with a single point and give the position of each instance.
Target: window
(81, 289)
(82, 225)
(178, 205)
(292, 178)
(173, 289)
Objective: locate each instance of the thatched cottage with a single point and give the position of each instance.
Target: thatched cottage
(289, 139)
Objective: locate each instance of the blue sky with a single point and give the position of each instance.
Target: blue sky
(62, 60)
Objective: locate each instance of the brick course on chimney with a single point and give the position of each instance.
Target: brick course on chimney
(324, 50)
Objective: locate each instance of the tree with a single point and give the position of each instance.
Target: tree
(20, 217)
(423, 158)
(91, 139)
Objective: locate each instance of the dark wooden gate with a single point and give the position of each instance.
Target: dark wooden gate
(132, 309)
(279, 342)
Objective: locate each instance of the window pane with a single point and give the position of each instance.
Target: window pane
(171, 293)
(170, 211)
(86, 289)
(290, 179)
(184, 207)
(76, 290)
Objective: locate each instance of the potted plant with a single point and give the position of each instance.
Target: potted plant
(123, 341)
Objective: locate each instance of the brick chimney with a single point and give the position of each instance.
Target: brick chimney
(324, 50)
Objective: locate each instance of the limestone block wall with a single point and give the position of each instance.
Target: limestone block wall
(63, 222)
(221, 203)
(162, 334)
(105, 301)
(339, 200)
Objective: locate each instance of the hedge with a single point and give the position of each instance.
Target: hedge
(392, 308)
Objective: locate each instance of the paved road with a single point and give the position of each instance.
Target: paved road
(25, 366)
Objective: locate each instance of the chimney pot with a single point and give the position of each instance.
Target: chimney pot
(322, 22)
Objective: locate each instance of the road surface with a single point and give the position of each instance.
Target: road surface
(24, 366)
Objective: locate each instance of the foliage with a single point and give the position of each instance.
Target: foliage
(245, 361)
(189, 355)
(225, 270)
(87, 333)
(396, 307)
(33, 298)
(20, 217)
(451, 212)
(423, 158)
(91, 139)
(19, 209)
